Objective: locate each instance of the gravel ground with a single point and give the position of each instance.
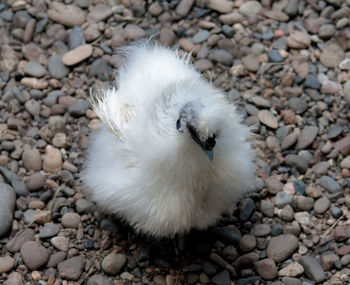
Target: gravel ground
(284, 63)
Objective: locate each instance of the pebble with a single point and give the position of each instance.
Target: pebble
(294, 269)
(72, 268)
(52, 160)
(71, 220)
(342, 233)
(56, 258)
(266, 268)
(200, 36)
(221, 6)
(167, 37)
(34, 69)
(251, 62)
(56, 67)
(250, 8)
(306, 137)
(79, 108)
(32, 159)
(83, 206)
(336, 212)
(77, 55)
(6, 263)
(221, 56)
(48, 230)
(275, 56)
(268, 119)
(99, 12)
(98, 279)
(14, 278)
(282, 199)
(247, 243)
(273, 185)
(326, 31)
(329, 184)
(59, 242)
(328, 261)
(267, 208)
(35, 182)
(261, 230)
(312, 268)
(34, 82)
(7, 206)
(297, 161)
(34, 254)
(133, 32)
(68, 15)
(222, 278)
(184, 7)
(298, 105)
(76, 38)
(113, 263)
(332, 55)
(281, 247)
(247, 207)
(345, 163)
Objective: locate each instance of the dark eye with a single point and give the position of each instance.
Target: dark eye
(210, 142)
(178, 124)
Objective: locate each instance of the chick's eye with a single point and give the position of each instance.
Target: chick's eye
(210, 142)
(178, 124)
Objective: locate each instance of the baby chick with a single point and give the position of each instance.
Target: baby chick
(172, 154)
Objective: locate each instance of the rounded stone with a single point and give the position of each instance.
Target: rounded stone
(71, 220)
(113, 263)
(266, 268)
(281, 247)
(53, 160)
(268, 119)
(34, 254)
(77, 55)
(6, 263)
(32, 159)
(35, 182)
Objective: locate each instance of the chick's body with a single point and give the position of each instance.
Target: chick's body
(145, 167)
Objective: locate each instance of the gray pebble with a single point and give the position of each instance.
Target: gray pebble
(313, 269)
(113, 263)
(34, 69)
(200, 36)
(76, 38)
(48, 230)
(98, 279)
(330, 184)
(83, 206)
(283, 199)
(56, 68)
(221, 56)
(79, 108)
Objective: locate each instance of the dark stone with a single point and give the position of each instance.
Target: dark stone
(246, 209)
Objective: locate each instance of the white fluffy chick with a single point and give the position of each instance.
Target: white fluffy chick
(172, 154)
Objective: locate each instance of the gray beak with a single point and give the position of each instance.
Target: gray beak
(210, 154)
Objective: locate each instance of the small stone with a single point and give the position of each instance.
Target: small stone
(343, 145)
(292, 270)
(298, 40)
(312, 268)
(98, 279)
(336, 212)
(221, 56)
(332, 55)
(251, 62)
(76, 38)
(289, 140)
(247, 243)
(61, 243)
(266, 208)
(326, 31)
(307, 137)
(133, 32)
(345, 163)
(34, 82)
(43, 217)
(221, 6)
(77, 55)
(79, 108)
(34, 69)
(261, 230)
(200, 36)
(56, 67)
(34, 254)
(56, 258)
(266, 268)
(268, 119)
(281, 247)
(342, 233)
(312, 82)
(48, 230)
(329, 184)
(273, 185)
(297, 161)
(53, 160)
(184, 7)
(275, 56)
(100, 12)
(35, 182)
(277, 15)
(305, 203)
(113, 263)
(302, 218)
(328, 261)
(14, 278)
(71, 220)
(166, 36)
(247, 207)
(71, 269)
(32, 159)
(222, 278)
(15, 244)
(69, 15)
(92, 32)
(7, 206)
(83, 206)
(6, 263)
(250, 8)
(101, 69)
(282, 199)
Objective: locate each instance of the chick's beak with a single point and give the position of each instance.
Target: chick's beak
(210, 154)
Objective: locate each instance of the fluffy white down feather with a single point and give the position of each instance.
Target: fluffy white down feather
(140, 167)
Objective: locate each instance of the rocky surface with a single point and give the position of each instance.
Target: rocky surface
(285, 64)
